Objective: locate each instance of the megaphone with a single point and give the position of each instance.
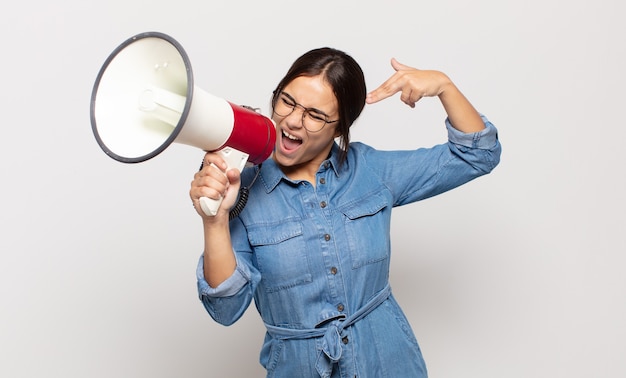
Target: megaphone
(144, 99)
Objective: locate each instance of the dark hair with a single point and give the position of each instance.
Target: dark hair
(345, 77)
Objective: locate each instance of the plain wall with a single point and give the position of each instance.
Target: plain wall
(516, 274)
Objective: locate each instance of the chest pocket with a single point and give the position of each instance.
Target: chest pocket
(367, 224)
(281, 255)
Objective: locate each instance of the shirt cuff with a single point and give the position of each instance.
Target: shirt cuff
(231, 286)
(484, 139)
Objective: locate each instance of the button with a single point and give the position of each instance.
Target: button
(327, 237)
(340, 307)
(322, 181)
(345, 340)
(333, 270)
(323, 204)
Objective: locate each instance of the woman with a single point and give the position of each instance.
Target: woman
(312, 245)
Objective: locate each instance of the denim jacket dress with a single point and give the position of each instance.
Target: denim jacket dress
(315, 260)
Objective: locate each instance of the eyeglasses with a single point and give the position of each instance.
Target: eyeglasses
(313, 120)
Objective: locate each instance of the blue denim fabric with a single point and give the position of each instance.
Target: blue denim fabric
(312, 258)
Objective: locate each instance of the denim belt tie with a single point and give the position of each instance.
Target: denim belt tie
(331, 334)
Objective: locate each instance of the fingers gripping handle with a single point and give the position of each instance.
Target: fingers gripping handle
(234, 159)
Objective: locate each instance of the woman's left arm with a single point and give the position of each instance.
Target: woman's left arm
(415, 84)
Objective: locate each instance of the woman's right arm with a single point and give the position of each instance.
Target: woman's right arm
(213, 181)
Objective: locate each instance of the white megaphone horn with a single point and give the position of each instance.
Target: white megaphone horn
(144, 99)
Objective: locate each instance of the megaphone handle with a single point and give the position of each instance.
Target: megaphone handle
(209, 206)
(234, 159)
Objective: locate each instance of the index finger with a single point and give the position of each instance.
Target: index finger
(386, 89)
(211, 158)
(389, 87)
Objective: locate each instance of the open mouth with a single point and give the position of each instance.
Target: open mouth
(290, 142)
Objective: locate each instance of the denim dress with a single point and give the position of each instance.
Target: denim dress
(315, 259)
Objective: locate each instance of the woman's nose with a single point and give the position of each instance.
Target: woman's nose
(296, 118)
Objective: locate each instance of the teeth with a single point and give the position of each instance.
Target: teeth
(290, 136)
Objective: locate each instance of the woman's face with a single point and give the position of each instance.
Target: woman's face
(296, 147)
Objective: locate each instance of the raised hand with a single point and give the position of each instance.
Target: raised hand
(413, 84)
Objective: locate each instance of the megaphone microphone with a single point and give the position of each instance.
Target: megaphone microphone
(144, 99)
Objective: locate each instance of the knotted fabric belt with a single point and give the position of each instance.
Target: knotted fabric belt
(331, 334)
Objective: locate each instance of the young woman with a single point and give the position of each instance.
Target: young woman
(312, 246)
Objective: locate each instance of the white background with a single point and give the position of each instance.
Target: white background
(517, 274)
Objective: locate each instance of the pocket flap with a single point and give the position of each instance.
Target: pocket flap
(369, 204)
(274, 233)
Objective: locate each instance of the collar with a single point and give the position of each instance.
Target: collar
(271, 174)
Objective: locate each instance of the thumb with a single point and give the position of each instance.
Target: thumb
(234, 178)
(234, 182)
(398, 66)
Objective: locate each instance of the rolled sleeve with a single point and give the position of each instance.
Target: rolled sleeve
(231, 286)
(485, 139)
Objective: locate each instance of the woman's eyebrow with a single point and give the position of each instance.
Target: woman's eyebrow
(314, 110)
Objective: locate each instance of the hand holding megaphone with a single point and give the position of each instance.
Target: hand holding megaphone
(233, 159)
(144, 99)
(215, 179)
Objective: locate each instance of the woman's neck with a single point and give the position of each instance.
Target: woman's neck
(302, 172)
